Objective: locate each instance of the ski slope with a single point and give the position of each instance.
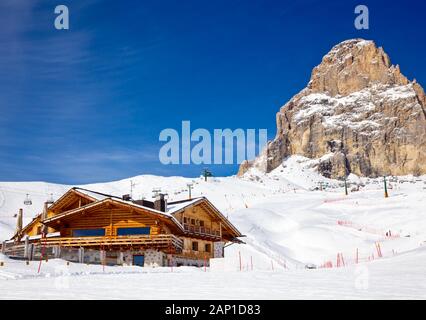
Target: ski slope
(288, 225)
(400, 277)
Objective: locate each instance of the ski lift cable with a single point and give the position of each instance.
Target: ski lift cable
(26, 191)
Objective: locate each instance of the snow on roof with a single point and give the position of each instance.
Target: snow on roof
(174, 207)
(95, 195)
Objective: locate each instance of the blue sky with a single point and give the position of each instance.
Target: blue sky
(88, 104)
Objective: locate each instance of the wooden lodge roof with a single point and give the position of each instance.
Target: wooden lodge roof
(94, 199)
(184, 204)
(113, 202)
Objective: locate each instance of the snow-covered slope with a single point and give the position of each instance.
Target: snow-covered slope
(12, 197)
(291, 216)
(401, 277)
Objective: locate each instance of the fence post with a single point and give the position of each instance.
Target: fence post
(3, 247)
(81, 255)
(121, 258)
(102, 254)
(379, 250)
(26, 248)
(57, 251)
(31, 251)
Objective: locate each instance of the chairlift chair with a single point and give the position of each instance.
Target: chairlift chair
(50, 200)
(28, 201)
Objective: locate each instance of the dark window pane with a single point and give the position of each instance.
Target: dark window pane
(88, 232)
(133, 231)
(195, 246)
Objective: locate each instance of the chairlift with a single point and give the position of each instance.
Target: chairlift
(50, 200)
(28, 201)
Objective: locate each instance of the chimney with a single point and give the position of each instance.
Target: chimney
(44, 214)
(126, 197)
(19, 223)
(44, 229)
(160, 202)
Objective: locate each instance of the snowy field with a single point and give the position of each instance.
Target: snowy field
(399, 277)
(292, 218)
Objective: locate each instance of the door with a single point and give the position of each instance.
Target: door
(138, 260)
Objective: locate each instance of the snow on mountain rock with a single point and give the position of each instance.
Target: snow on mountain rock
(357, 97)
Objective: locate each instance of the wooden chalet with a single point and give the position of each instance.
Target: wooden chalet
(92, 227)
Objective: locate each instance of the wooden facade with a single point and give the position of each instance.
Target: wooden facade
(190, 229)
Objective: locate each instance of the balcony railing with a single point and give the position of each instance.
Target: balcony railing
(160, 241)
(203, 231)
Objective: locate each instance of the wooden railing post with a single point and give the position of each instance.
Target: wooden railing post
(3, 247)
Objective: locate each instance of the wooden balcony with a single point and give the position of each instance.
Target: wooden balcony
(202, 231)
(167, 242)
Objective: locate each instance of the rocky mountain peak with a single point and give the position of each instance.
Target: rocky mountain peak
(358, 114)
(352, 66)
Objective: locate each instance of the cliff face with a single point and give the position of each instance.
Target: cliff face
(358, 113)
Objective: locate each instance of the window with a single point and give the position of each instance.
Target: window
(208, 247)
(185, 220)
(133, 231)
(195, 246)
(88, 232)
(193, 222)
(201, 223)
